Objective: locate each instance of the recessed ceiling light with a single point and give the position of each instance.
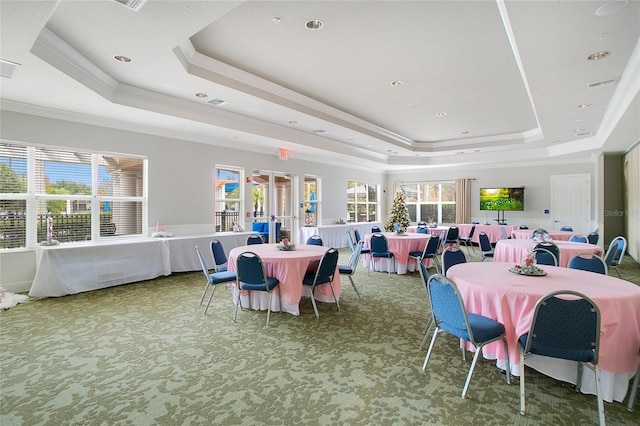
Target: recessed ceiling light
(201, 95)
(313, 24)
(598, 55)
(276, 20)
(465, 133)
(397, 83)
(319, 131)
(351, 139)
(611, 8)
(293, 123)
(122, 59)
(584, 105)
(441, 114)
(578, 130)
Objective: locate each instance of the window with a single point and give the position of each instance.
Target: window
(362, 201)
(430, 202)
(68, 195)
(311, 196)
(228, 196)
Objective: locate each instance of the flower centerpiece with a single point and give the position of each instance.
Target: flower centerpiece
(528, 266)
(285, 245)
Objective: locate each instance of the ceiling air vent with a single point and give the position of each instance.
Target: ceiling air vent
(216, 102)
(7, 68)
(599, 84)
(134, 5)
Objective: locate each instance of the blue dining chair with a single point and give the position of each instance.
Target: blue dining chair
(565, 325)
(578, 239)
(314, 240)
(615, 253)
(485, 246)
(254, 239)
(551, 247)
(350, 269)
(422, 230)
(450, 316)
(251, 276)
(545, 257)
(219, 256)
(588, 262)
(380, 250)
(467, 240)
(323, 276)
(213, 280)
(567, 228)
(356, 233)
(452, 256)
(430, 251)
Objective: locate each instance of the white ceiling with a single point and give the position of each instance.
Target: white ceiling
(510, 76)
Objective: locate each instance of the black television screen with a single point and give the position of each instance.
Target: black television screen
(506, 199)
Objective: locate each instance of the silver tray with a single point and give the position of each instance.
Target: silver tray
(519, 271)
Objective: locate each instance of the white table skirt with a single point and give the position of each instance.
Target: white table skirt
(78, 267)
(182, 249)
(335, 235)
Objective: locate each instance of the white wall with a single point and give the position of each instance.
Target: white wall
(180, 177)
(536, 180)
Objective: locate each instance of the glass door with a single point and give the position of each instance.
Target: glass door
(274, 200)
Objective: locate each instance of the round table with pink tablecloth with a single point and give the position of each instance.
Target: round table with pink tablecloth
(400, 246)
(289, 267)
(513, 251)
(490, 289)
(525, 234)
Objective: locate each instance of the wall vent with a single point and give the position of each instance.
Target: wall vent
(599, 84)
(134, 5)
(216, 102)
(7, 68)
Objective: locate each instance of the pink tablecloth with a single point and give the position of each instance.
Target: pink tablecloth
(289, 267)
(514, 250)
(525, 234)
(400, 246)
(433, 231)
(493, 231)
(490, 289)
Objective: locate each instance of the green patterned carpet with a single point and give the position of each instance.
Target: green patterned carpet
(143, 354)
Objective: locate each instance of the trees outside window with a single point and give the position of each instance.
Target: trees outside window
(432, 202)
(362, 201)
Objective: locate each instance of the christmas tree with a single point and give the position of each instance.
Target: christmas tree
(398, 214)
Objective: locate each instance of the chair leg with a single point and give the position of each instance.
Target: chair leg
(634, 391)
(213, 290)
(433, 341)
(506, 351)
(334, 295)
(601, 419)
(618, 272)
(426, 333)
(313, 302)
(473, 366)
(354, 287)
(269, 308)
(238, 303)
(522, 408)
(204, 293)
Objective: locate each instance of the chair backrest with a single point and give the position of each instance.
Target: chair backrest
(357, 235)
(566, 328)
(431, 248)
(612, 251)
(545, 257)
(205, 271)
(593, 237)
(422, 223)
(327, 268)
(552, 247)
(422, 230)
(447, 306)
(523, 227)
(588, 262)
(424, 274)
(254, 239)
(219, 256)
(249, 269)
(452, 235)
(379, 244)
(355, 257)
(375, 229)
(504, 233)
(352, 245)
(452, 256)
(622, 246)
(566, 228)
(579, 239)
(485, 244)
(473, 228)
(314, 240)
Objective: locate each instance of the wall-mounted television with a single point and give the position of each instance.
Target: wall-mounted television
(505, 199)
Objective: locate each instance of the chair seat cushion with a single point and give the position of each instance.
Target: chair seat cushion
(581, 355)
(271, 283)
(415, 254)
(366, 250)
(222, 277)
(487, 254)
(345, 269)
(387, 254)
(483, 328)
